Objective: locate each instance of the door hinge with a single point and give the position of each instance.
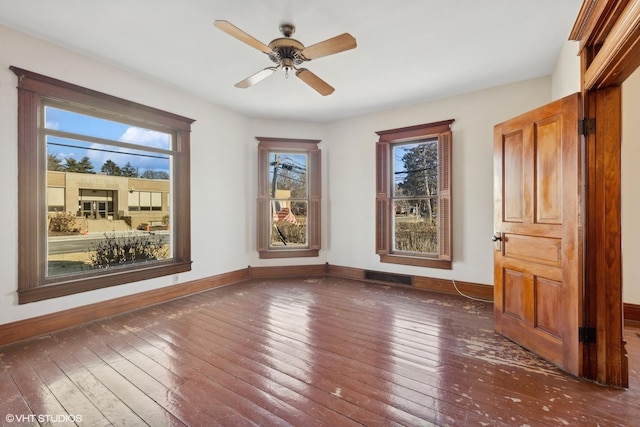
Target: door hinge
(587, 126)
(587, 335)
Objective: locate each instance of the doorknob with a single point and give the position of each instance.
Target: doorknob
(497, 239)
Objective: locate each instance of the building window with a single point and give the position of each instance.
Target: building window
(145, 201)
(288, 213)
(413, 195)
(80, 153)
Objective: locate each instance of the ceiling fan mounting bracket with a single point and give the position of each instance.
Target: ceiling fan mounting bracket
(287, 29)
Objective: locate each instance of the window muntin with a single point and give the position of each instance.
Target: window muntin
(413, 195)
(288, 205)
(43, 182)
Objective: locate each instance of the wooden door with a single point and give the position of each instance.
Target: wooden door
(538, 244)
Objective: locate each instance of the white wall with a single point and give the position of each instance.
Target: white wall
(218, 159)
(565, 79)
(351, 177)
(631, 189)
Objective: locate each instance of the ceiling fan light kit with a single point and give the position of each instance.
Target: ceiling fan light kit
(288, 54)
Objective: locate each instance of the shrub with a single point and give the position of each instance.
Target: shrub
(117, 250)
(416, 237)
(293, 234)
(64, 222)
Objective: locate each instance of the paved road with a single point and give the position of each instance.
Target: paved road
(83, 243)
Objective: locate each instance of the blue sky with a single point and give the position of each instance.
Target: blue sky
(64, 148)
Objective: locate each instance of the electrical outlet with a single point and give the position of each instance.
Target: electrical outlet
(176, 278)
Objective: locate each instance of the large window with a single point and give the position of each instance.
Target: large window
(288, 223)
(413, 195)
(95, 171)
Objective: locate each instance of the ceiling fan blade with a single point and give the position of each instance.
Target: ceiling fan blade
(257, 77)
(322, 87)
(236, 32)
(329, 47)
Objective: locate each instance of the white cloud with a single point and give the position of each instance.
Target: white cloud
(120, 155)
(52, 125)
(146, 137)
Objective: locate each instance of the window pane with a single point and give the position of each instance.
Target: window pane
(415, 169)
(288, 175)
(288, 190)
(415, 225)
(97, 216)
(289, 223)
(69, 121)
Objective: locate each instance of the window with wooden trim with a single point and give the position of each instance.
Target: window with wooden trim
(413, 195)
(83, 156)
(288, 211)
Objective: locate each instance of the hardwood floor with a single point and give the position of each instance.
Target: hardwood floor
(299, 352)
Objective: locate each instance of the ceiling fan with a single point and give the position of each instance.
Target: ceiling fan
(288, 53)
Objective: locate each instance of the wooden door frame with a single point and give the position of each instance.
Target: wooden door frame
(609, 36)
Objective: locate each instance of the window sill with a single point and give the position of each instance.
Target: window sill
(74, 286)
(288, 253)
(416, 261)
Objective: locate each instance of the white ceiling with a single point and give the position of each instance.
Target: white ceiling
(408, 50)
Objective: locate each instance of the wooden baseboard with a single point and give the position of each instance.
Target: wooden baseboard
(41, 325)
(446, 286)
(287, 271)
(631, 312)
(345, 272)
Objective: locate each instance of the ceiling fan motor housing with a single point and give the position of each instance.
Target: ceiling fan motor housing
(286, 51)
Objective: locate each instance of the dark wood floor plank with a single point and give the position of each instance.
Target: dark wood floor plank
(112, 406)
(356, 413)
(141, 405)
(280, 373)
(320, 351)
(37, 396)
(397, 388)
(263, 322)
(170, 353)
(331, 379)
(510, 398)
(237, 366)
(302, 389)
(70, 396)
(209, 398)
(13, 406)
(445, 348)
(258, 345)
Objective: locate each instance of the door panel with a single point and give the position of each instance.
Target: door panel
(543, 250)
(513, 178)
(548, 172)
(538, 265)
